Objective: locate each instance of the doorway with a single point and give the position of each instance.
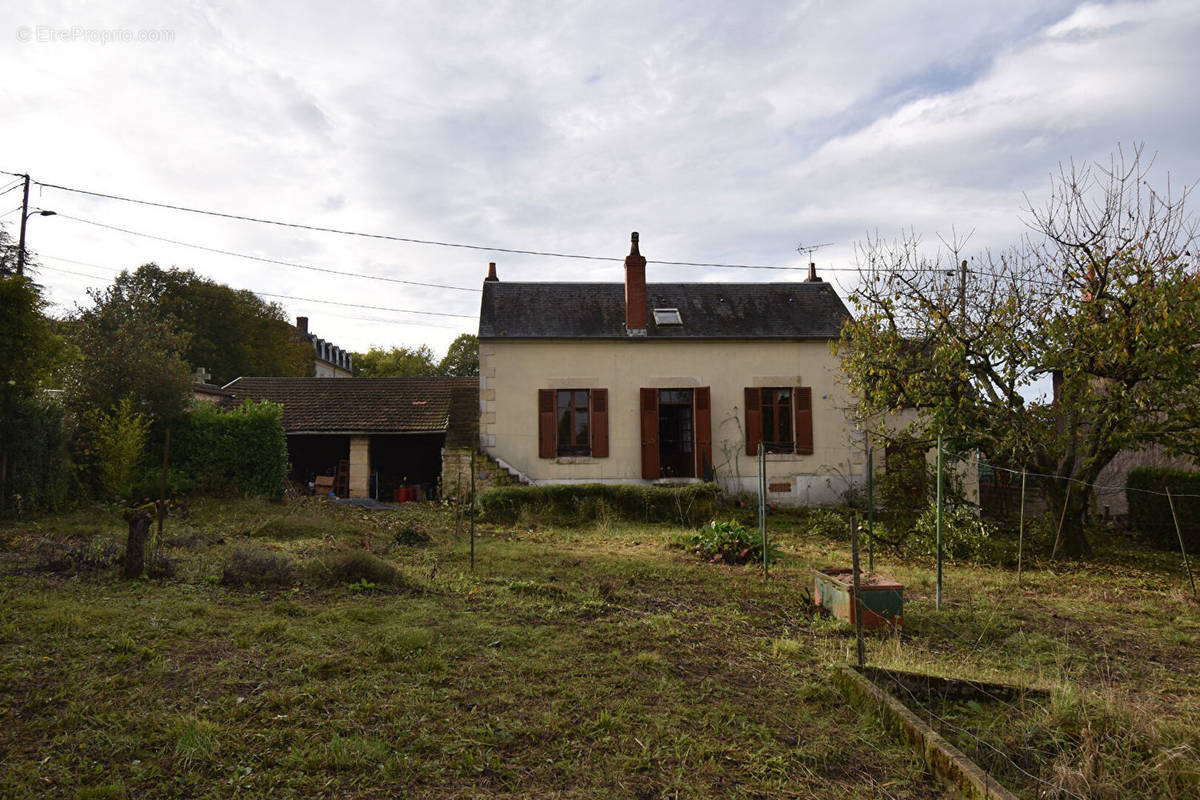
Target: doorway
(676, 433)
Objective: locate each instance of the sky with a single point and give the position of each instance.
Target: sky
(732, 133)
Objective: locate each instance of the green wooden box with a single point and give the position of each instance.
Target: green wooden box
(882, 599)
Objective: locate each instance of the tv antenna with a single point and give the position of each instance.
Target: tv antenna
(809, 249)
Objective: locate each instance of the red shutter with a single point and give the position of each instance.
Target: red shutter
(804, 421)
(547, 424)
(753, 420)
(650, 467)
(599, 423)
(703, 400)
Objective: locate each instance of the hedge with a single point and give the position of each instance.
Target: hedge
(1150, 514)
(40, 476)
(240, 451)
(581, 504)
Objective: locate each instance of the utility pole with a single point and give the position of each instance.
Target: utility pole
(962, 290)
(24, 219)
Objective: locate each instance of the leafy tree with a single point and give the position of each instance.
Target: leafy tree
(462, 358)
(397, 362)
(231, 332)
(31, 350)
(1103, 295)
(126, 350)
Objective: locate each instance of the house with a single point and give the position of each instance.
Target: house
(668, 383)
(371, 435)
(330, 360)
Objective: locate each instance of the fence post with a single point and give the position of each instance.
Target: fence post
(472, 511)
(870, 506)
(1179, 533)
(939, 521)
(762, 502)
(1061, 520)
(1021, 529)
(856, 606)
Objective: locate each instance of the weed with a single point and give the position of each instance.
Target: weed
(249, 566)
(730, 543)
(354, 567)
(195, 740)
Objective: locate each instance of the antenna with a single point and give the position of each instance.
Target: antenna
(809, 249)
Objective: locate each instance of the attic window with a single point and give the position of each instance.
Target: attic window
(667, 316)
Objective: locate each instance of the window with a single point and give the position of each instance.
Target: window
(780, 419)
(572, 422)
(777, 421)
(573, 419)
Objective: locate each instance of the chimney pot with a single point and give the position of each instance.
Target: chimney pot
(635, 289)
(491, 272)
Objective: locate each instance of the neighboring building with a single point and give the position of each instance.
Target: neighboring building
(331, 361)
(372, 435)
(644, 383)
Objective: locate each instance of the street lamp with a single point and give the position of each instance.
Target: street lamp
(21, 244)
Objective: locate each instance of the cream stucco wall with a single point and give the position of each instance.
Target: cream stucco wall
(511, 372)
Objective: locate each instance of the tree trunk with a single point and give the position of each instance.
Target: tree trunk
(135, 545)
(1071, 539)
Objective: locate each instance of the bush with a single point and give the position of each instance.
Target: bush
(40, 477)
(118, 443)
(1150, 514)
(354, 567)
(582, 504)
(964, 535)
(248, 566)
(242, 451)
(730, 542)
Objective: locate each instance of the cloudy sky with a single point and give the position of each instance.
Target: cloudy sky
(723, 132)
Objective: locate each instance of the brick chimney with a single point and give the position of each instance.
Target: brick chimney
(812, 274)
(492, 272)
(302, 324)
(635, 290)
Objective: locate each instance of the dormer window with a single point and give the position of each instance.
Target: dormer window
(667, 316)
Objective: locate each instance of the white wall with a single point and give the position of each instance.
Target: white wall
(511, 372)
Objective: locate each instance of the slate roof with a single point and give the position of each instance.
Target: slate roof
(709, 310)
(356, 405)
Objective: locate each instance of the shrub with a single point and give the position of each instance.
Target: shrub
(248, 566)
(40, 475)
(964, 535)
(730, 542)
(1150, 514)
(118, 442)
(354, 567)
(241, 451)
(582, 504)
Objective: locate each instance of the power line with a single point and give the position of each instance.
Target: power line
(388, 237)
(371, 308)
(265, 260)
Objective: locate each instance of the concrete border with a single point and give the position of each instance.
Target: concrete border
(946, 761)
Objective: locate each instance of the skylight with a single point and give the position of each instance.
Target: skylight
(667, 316)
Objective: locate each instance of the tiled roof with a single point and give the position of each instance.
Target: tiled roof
(708, 310)
(356, 405)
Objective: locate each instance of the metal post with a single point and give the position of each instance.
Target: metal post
(856, 606)
(472, 511)
(24, 220)
(939, 521)
(762, 502)
(1182, 548)
(162, 491)
(1021, 529)
(870, 506)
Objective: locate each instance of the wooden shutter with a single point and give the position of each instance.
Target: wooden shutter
(547, 424)
(650, 466)
(753, 419)
(702, 398)
(599, 423)
(804, 419)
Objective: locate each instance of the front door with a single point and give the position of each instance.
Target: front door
(676, 433)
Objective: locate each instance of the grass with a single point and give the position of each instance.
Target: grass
(590, 662)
